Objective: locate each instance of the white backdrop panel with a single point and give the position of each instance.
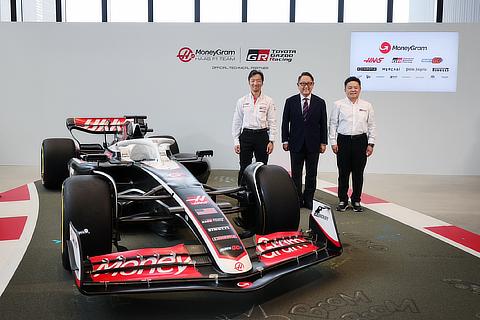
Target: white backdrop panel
(53, 71)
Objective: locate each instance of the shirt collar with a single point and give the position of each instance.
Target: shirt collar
(309, 97)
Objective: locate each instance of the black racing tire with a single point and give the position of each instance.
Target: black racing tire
(56, 153)
(88, 203)
(276, 202)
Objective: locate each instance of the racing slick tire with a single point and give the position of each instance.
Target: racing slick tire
(276, 206)
(56, 152)
(87, 202)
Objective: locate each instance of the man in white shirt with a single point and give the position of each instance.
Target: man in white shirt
(254, 124)
(352, 137)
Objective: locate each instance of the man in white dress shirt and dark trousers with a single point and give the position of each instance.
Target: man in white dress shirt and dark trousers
(352, 137)
(304, 134)
(254, 124)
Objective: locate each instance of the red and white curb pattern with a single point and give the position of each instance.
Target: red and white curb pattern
(455, 236)
(18, 217)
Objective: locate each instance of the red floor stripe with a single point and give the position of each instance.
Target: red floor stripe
(366, 199)
(17, 194)
(11, 228)
(459, 235)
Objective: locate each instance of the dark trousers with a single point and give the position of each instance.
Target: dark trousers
(297, 159)
(351, 158)
(252, 142)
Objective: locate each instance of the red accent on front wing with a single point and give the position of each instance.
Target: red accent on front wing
(280, 255)
(335, 242)
(178, 249)
(170, 255)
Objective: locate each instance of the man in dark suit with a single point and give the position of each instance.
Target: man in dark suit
(304, 134)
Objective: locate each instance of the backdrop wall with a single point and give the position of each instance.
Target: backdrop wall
(53, 71)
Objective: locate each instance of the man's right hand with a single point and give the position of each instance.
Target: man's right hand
(335, 148)
(237, 149)
(285, 146)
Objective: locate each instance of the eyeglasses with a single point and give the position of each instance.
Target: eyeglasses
(304, 84)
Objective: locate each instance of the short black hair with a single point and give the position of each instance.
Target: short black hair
(349, 79)
(305, 73)
(254, 73)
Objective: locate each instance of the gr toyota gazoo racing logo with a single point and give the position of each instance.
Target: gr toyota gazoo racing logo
(258, 54)
(186, 54)
(271, 55)
(386, 47)
(402, 60)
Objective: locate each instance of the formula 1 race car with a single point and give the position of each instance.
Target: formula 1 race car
(144, 184)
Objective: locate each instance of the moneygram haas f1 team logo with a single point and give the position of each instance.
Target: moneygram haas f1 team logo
(185, 54)
(385, 47)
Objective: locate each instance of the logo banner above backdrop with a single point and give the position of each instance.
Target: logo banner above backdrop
(405, 61)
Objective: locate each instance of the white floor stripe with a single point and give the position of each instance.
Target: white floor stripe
(406, 216)
(12, 251)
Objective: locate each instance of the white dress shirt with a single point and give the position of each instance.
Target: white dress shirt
(351, 119)
(258, 115)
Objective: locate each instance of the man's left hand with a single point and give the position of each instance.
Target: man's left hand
(369, 151)
(270, 147)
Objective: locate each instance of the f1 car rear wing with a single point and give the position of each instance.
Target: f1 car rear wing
(126, 126)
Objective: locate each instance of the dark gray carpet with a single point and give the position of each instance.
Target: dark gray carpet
(387, 271)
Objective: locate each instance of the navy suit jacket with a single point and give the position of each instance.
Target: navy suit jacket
(311, 132)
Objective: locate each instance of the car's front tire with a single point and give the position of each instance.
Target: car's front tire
(87, 202)
(275, 202)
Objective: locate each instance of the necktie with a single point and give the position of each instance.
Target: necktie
(305, 109)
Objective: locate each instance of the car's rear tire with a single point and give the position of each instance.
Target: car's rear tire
(87, 202)
(276, 202)
(56, 152)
